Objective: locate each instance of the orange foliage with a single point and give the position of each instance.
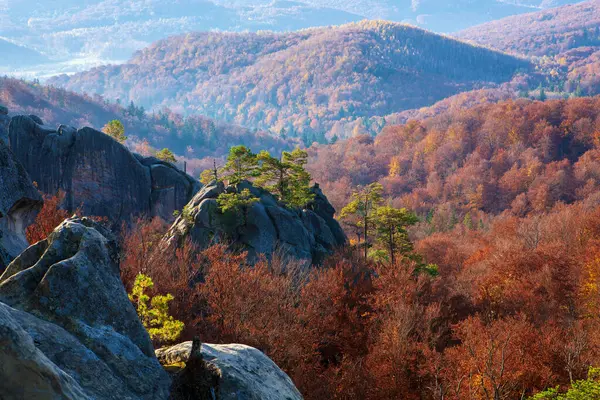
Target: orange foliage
(513, 311)
(49, 217)
(504, 359)
(524, 156)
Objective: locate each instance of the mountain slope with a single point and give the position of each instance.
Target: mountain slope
(14, 55)
(519, 156)
(79, 34)
(304, 81)
(91, 32)
(541, 33)
(192, 137)
(567, 37)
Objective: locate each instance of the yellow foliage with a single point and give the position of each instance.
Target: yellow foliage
(589, 288)
(514, 136)
(430, 143)
(394, 168)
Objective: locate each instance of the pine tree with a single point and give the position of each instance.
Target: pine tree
(166, 155)
(360, 209)
(389, 228)
(241, 165)
(238, 203)
(209, 175)
(286, 178)
(468, 221)
(131, 110)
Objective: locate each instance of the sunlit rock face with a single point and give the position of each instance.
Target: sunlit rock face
(98, 175)
(234, 372)
(67, 327)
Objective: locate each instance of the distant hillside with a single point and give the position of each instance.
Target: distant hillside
(300, 82)
(189, 138)
(77, 35)
(14, 55)
(567, 40)
(547, 32)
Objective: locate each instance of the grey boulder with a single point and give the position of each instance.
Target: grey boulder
(267, 228)
(245, 372)
(25, 371)
(65, 296)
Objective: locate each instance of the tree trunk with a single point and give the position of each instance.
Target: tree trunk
(365, 224)
(392, 246)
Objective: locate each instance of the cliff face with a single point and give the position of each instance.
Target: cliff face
(99, 175)
(4, 121)
(266, 227)
(19, 205)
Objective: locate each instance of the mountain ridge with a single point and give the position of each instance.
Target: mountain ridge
(530, 34)
(301, 81)
(189, 138)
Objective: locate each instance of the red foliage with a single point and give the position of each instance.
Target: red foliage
(504, 359)
(49, 217)
(513, 311)
(522, 156)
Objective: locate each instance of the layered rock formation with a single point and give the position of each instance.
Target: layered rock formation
(4, 121)
(266, 228)
(19, 205)
(244, 373)
(99, 175)
(67, 327)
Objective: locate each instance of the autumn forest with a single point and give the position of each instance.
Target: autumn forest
(385, 212)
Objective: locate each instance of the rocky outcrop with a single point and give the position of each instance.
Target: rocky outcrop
(67, 327)
(266, 227)
(69, 331)
(4, 121)
(99, 175)
(244, 373)
(19, 205)
(194, 378)
(25, 371)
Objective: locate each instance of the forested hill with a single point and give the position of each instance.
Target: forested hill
(19, 55)
(300, 82)
(565, 42)
(522, 157)
(192, 137)
(546, 32)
